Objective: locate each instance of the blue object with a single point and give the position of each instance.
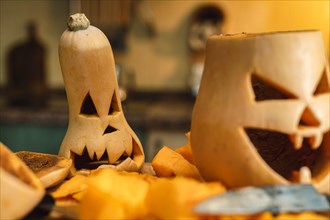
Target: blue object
(275, 199)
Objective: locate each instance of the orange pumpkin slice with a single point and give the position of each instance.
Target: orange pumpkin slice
(168, 163)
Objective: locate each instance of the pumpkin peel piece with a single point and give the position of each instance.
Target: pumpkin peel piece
(168, 163)
(186, 151)
(20, 188)
(50, 169)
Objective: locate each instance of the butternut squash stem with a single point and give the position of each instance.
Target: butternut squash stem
(78, 22)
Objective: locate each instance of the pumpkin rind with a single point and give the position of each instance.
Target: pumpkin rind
(20, 189)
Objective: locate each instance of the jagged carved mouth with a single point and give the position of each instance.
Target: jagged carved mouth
(84, 161)
(285, 154)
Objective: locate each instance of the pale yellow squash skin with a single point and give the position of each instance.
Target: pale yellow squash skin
(20, 189)
(88, 66)
(293, 61)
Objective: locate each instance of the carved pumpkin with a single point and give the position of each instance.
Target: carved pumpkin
(262, 113)
(98, 132)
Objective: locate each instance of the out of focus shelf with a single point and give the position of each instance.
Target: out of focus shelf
(147, 110)
(158, 118)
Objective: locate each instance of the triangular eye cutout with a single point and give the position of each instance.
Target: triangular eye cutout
(109, 129)
(264, 90)
(323, 86)
(88, 107)
(114, 107)
(308, 118)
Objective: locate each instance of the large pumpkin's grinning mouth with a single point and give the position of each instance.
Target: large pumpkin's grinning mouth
(283, 153)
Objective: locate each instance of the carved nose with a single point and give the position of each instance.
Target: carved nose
(308, 119)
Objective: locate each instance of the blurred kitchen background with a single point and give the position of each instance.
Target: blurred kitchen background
(159, 52)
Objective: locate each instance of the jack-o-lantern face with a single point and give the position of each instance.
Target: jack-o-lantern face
(98, 132)
(262, 113)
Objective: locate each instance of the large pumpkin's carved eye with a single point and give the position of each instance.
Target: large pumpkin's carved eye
(323, 85)
(264, 90)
